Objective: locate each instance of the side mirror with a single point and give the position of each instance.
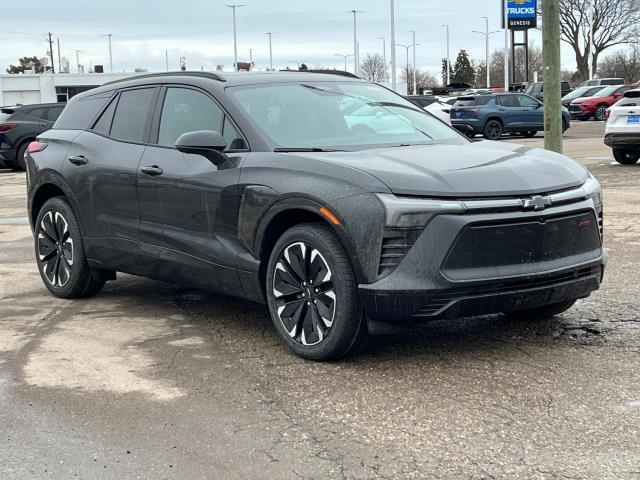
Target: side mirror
(207, 143)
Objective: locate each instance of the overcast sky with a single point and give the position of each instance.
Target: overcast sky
(201, 31)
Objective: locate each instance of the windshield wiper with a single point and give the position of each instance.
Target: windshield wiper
(306, 149)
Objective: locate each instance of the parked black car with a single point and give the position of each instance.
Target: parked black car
(336, 202)
(536, 90)
(20, 125)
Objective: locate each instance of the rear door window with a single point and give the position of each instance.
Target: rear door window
(186, 110)
(509, 101)
(54, 113)
(132, 115)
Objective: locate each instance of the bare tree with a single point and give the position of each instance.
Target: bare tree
(535, 63)
(613, 24)
(623, 63)
(373, 68)
(425, 80)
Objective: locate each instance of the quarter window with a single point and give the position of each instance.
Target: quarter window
(187, 110)
(232, 137)
(131, 115)
(103, 125)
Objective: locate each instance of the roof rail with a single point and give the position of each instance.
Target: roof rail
(210, 75)
(340, 73)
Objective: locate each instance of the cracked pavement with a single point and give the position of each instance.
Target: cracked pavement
(150, 380)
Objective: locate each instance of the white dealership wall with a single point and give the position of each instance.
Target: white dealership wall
(28, 89)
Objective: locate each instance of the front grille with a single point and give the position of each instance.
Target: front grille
(574, 108)
(396, 243)
(524, 242)
(445, 298)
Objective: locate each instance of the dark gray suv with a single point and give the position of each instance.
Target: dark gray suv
(343, 207)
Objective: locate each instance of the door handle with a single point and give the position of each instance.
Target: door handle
(79, 160)
(152, 171)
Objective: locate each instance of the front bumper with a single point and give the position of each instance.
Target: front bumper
(421, 288)
(622, 140)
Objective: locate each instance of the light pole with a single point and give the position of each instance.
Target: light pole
(345, 59)
(505, 7)
(384, 56)
(235, 37)
(393, 42)
(166, 59)
(109, 35)
(415, 82)
(407, 47)
(270, 34)
(486, 34)
(591, 38)
(356, 60)
(448, 58)
(251, 55)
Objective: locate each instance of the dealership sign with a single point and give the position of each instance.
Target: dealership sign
(522, 14)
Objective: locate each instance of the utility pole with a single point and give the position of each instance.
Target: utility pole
(505, 7)
(407, 47)
(235, 37)
(487, 33)
(552, 90)
(78, 60)
(59, 55)
(448, 57)
(415, 80)
(270, 34)
(251, 55)
(393, 48)
(356, 59)
(384, 56)
(53, 68)
(166, 59)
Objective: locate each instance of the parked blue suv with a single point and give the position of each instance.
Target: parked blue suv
(498, 113)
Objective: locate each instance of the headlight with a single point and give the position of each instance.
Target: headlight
(592, 189)
(415, 212)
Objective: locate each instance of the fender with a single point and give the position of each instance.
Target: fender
(52, 177)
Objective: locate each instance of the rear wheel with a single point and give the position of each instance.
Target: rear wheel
(20, 163)
(60, 253)
(312, 294)
(626, 157)
(542, 313)
(530, 133)
(493, 130)
(601, 113)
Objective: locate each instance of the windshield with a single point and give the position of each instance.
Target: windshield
(605, 92)
(338, 114)
(581, 92)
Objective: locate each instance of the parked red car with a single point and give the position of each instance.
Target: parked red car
(596, 106)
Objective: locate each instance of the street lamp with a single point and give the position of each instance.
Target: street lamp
(384, 55)
(345, 59)
(415, 82)
(393, 42)
(235, 37)
(109, 35)
(356, 60)
(448, 58)
(486, 33)
(270, 34)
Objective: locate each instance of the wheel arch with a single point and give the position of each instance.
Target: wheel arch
(49, 185)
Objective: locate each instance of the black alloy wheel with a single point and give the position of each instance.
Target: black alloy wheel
(493, 130)
(60, 253)
(312, 294)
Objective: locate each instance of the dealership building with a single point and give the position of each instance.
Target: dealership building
(26, 89)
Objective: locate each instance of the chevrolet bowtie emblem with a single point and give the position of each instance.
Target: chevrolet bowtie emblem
(537, 202)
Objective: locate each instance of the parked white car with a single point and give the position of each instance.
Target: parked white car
(622, 133)
(441, 110)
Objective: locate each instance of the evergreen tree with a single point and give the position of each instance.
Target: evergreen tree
(463, 70)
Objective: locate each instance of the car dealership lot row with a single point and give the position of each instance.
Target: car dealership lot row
(149, 380)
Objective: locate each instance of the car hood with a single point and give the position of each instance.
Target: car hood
(481, 169)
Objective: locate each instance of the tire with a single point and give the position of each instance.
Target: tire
(530, 133)
(318, 323)
(20, 163)
(60, 253)
(493, 130)
(626, 157)
(542, 313)
(600, 113)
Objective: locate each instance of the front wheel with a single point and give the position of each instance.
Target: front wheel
(600, 113)
(626, 157)
(312, 294)
(530, 133)
(493, 130)
(60, 253)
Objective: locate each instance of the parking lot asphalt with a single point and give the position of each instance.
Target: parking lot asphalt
(150, 380)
